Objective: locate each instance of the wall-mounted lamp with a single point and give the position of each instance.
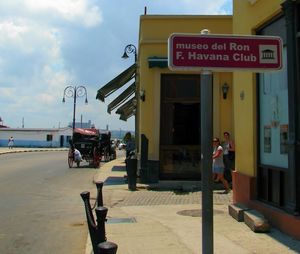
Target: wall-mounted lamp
(242, 95)
(134, 102)
(142, 95)
(225, 89)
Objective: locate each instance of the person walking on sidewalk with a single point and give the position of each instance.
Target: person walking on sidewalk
(218, 164)
(130, 144)
(10, 142)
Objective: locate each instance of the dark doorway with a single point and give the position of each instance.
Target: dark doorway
(61, 140)
(180, 127)
(186, 123)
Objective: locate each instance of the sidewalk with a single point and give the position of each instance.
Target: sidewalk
(5, 150)
(159, 220)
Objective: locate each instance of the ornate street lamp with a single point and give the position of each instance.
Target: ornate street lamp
(130, 48)
(75, 92)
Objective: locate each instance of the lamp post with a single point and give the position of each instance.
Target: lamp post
(130, 48)
(75, 92)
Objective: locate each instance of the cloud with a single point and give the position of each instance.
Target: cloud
(75, 11)
(12, 33)
(46, 45)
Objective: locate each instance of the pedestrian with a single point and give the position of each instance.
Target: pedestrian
(77, 155)
(228, 156)
(10, 143)
(130, 144)
(218, 164)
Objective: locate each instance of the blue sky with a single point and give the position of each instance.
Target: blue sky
(46, 45)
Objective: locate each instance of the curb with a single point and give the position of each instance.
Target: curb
(33, 150)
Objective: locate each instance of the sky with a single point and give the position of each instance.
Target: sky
(47, 45)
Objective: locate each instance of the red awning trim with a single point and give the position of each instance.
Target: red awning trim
(92, 131)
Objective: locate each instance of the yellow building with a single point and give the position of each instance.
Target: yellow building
(266, 118)
(169, 115)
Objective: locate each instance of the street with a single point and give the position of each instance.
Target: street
(41, 208)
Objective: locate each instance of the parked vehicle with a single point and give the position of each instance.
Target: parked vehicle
(107, 147)
(87, 142)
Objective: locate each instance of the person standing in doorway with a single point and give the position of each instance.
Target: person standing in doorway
(228, 156)
(218, 164)
(11, 143)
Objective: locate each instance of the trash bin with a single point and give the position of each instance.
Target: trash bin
(131, 169)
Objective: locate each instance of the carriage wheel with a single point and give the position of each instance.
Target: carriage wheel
(70, 158)
(96, 158)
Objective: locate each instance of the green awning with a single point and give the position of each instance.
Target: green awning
(155, 61)
(116, 83)
(121, 98)
(127, 109)
(125, 117)
(126, 106)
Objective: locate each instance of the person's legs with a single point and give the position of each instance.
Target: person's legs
(215, 174)
(227, 169)
(224, 181)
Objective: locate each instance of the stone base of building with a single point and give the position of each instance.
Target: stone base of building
(244, 191)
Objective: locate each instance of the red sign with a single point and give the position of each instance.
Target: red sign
(224, 52)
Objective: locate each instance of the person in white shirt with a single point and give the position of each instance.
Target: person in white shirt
(77, 155)
(218, 164)
(10, 142)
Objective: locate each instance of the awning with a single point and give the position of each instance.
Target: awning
(121, 98)
(116, 83)
(156, 61)
(127, 109)
(128, 104)
(125, 117)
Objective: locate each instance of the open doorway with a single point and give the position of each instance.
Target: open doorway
(180, 127)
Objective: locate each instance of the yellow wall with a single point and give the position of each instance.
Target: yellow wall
(247, 18)
(154, 33)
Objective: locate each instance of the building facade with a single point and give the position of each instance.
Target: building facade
(34, 137)
(169, 112)
(261, 110)
(266, 117)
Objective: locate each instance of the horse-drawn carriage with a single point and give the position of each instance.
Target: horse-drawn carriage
(87, 142)
(92, 146)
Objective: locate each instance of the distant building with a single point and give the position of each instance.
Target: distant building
(86, 125)
(1, 123)
(35, 137)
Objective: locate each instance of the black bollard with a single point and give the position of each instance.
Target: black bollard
(131, 168)
(99, 186)
(95, 239)
(107, 248)
(101, 213)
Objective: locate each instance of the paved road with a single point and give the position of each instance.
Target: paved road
(41, 210)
